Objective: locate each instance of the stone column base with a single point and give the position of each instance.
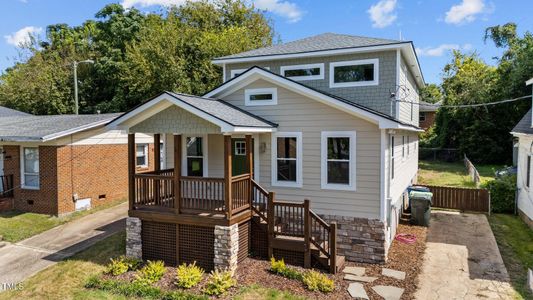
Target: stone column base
(226, 247)
(133, 237)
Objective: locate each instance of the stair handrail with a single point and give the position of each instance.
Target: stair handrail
(265, 194)
(326, 227)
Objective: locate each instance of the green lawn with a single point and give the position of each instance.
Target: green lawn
(452, 174)
(515, 240)
(16, 226)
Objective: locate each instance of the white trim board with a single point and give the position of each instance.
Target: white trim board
(248, 93)
(205, 156)
(351, 186)
(299, 160)
(304, 66)
(333, 65)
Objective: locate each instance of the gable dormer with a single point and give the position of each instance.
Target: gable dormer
(368, 71)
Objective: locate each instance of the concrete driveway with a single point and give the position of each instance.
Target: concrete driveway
(23, 259)
(462, 260)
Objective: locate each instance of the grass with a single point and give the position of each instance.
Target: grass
(16, 226)
(452, 174)
(256, 292)
(515, 241)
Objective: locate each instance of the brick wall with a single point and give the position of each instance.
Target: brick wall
(429, 121)
(99, 172)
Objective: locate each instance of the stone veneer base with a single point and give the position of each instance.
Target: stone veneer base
(226, 247)
(359, 239)
(133, 237)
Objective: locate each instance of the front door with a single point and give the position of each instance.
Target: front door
(238, 151)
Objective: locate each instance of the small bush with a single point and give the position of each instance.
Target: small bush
(502, 194)
(188, 276)
(279, 267)
(219, 283)
(122, 264)
(316, 281)
(151, 273)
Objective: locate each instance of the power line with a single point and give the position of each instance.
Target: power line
(466, 105)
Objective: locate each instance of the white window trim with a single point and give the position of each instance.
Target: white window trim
(240, 143)
(307, 66)
(374, 61)
(145, 145)
(250, 92)
(299, 160)
(234, 72)
(403, 148)
(352, 162)
(184, 153)
(392, 158)
(22, 173)
(408, 146)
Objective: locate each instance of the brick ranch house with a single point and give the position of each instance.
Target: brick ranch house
(428, 113)
(60, 164)
(302, 153)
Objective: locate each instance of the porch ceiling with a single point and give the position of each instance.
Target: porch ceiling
(180, 113)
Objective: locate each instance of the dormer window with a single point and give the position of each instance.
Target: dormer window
(303, 72)
(257, 97)
(354, 73)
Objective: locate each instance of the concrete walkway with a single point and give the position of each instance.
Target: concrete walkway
(462, 260)
(23, 259)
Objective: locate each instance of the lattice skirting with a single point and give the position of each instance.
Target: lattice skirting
(290, 257)
(197, 243)
(244, 240)
(159, 242)
(259, 240)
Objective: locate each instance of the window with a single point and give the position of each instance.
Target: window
(408, 145)
(303, 72)
(392, 157)
(237, 72)
(528, 173)
(338, 160)
(354, 73)
(403, 146)
(287, 159)
(30, 167)
(142, 155)
(422, 117)
(195, 162)
(266, 96)
(240, 148)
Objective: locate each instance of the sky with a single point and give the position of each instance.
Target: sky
(435, 26)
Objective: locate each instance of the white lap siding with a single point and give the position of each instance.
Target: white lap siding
(525, 193)
(296, 113)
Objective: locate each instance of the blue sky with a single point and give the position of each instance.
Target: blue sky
(435, 26)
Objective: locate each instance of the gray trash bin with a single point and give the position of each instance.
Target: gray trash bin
(420, 207)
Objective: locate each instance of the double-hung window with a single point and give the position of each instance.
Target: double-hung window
(303, 72)
(142, 155)
(30, 167)
(354, 73)
(338, 160)
(287, 159)
(195, 160)
(422, 117)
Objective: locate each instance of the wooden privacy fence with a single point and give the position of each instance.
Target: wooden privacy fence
(464, 199)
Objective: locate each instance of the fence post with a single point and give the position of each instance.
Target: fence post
(333, 248)
(307, 235)
(270, 222)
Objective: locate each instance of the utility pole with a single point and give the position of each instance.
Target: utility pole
(75, 66)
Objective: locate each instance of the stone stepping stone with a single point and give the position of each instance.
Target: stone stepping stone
(388, 292)
(357, 291)
(359, 278)
(393, 273)
(357, 271)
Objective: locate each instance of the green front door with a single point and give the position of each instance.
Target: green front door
(238, 150)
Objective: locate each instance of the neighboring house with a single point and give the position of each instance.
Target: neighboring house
(428, 111)
(312, 119)
(523, 131)
(63, 163)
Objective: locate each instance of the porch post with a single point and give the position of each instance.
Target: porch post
(250, 166)
(227, 174)
(177, 172)
(131, 170)
(157, 163)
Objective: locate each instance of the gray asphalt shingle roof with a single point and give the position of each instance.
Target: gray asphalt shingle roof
(40, 128)
(524, 126)
(8, 112)
(321, 42)
(224, 111)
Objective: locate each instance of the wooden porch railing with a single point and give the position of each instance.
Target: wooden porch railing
(240, 192)
(154, 191)
(6, 186)
(202, 194)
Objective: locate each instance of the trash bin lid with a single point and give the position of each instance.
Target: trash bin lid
(421, 195)
(418, 188)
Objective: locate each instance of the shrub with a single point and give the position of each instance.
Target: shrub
(151, 273)
(122, 264)
(316, 281)
(502, 194)
(279, 267)
(188, 276)
(219, 283)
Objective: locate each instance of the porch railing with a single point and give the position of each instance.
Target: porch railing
(154, 191)
(201, 194)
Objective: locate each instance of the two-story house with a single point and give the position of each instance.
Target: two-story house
(331, 119)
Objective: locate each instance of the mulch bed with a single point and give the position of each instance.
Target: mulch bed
(402, 257)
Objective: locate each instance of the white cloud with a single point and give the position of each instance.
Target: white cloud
(286, 9)
(383, 13)
(442, 49)
(465, 12)
(22, 36)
